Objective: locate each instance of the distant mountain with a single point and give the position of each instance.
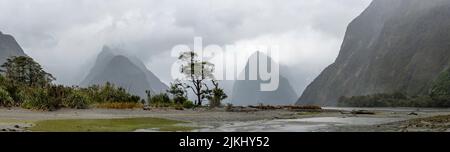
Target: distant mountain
(248, 92)
(9, 47)
(127, 72)
(393, 46)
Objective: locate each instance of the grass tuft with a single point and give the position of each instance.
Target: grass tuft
(120, 105)
(109, 125)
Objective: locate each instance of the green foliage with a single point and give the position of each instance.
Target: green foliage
(163, 100)
(59, 93)
(39, 99)
(119, 105)
(389, 100)
(216, 95)
(109, 93)
(24, 70)
(12, 89)
(439, 96)
(108, 125)
(196, 71)
(24, 83)
(76, 100)
(188, 104)
(5, 98)
(178, 92)
(440, 92)
(160, 100)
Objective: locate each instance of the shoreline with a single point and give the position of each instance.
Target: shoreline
(17, 119)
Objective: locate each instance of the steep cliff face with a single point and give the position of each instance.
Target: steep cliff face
(127, 72)
(9, 47)
(248, 92)
(400, 45)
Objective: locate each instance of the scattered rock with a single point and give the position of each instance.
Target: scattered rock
(362, 112)
(413, 113)
(4, 130)
(344, 112)
(243, 109)
(12, 130)
(16, 126)
(147, 108)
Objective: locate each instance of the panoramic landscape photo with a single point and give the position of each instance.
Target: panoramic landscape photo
(225, 66)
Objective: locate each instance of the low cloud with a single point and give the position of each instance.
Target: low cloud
(66, 35)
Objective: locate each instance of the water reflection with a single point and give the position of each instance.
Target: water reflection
(298, 125)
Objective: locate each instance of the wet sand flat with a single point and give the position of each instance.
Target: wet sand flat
(220, 120)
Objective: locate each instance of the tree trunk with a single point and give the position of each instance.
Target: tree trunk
(199, 100)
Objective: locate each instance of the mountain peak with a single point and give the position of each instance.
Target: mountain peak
(248, 92)
(120, 58)
(127, 72)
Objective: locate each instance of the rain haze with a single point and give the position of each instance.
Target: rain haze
(66, 35)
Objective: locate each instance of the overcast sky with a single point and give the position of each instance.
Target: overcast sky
(66, 35)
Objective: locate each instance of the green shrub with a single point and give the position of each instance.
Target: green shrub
(38, 98)
(216, 95)
(180, 100)
(188, 104)
(58, 93)
(108, 93)
(160, 100)
(12, 89)
(178, 107)
(120, 105)
(5, 98)
(440, 92)
(76, 100)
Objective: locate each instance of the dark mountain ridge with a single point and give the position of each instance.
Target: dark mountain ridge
(9, 47)
(127, 72)
(393, 46)
(248, 92)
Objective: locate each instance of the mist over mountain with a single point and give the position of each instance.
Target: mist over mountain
(393, 46)
(248, 92)
(127, 72)
(9, 47)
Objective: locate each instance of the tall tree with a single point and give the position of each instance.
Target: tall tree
(24, 70)
(197, 71)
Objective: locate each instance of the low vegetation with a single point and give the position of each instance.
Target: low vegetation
(197, 72)
(439, 96)
(119, 105)
(109, 125)
(24, 83)
(392, 100)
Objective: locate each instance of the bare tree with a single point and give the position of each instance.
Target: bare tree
(197, 71)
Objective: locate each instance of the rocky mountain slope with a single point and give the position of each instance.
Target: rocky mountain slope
(393, 46)
(248, 92)
(9, 47)
(127, 72)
